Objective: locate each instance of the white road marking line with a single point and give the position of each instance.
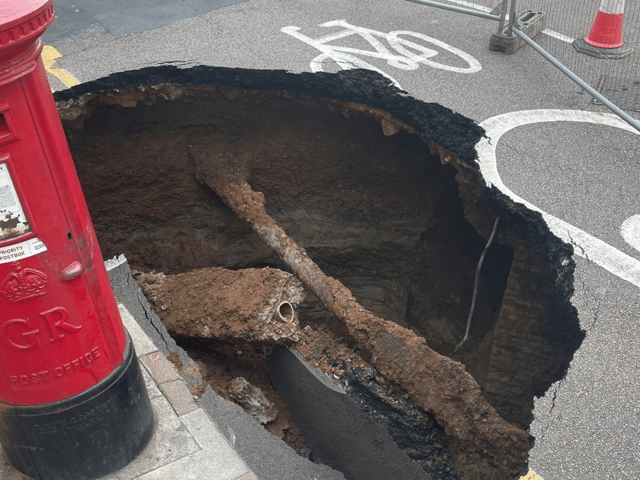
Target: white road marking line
(587, 246)
(557, 35)
(546, 31)
(630, 231)
(398, 43)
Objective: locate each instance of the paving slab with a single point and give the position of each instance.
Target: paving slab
(179, 397)
(170, 443)
(213, 461)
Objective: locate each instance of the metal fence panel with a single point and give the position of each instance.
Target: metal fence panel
(569, 20)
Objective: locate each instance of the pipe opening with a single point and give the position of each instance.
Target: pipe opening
(286, 312)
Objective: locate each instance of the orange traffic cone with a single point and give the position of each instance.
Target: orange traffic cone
(605, 38)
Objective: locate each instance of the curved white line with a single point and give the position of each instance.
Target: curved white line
(631, 231)
(587, 246)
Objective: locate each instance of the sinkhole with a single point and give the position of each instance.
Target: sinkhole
(221, 186)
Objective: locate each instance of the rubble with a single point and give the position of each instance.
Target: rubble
(253, 400)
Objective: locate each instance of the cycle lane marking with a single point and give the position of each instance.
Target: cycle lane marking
(586, 245)
(404, 59)
(345, 61)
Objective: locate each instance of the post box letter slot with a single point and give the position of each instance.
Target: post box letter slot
(4, 126)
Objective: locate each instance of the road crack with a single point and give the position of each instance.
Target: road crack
(149, 315)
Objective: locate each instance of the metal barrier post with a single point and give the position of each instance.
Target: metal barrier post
(512, 17)
(503, 15)
(504, 40)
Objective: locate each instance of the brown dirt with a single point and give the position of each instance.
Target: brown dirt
(251, 305)
(240, 313)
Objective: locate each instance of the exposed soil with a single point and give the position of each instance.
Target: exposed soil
(386, 215)
(231, 320)
(250, 305)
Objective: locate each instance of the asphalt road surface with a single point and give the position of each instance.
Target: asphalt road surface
(582, 174)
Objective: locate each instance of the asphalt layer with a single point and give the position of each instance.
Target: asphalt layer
(586, 426)
(338, 432)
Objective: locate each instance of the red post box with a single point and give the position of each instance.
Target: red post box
(73, 404)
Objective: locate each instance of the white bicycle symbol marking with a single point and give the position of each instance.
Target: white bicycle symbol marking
(404, 59)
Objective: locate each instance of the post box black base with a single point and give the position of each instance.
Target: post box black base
(84, 437)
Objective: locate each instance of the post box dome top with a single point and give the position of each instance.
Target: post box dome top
(23, 20)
